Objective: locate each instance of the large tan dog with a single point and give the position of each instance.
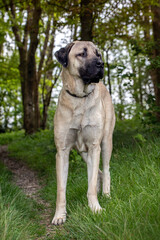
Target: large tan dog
(84, 120)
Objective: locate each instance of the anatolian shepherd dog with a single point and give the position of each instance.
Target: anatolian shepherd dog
(84, 120)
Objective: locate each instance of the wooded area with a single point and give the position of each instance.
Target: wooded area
(126, 31)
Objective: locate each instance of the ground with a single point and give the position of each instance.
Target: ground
(132, 212)
(28, 181)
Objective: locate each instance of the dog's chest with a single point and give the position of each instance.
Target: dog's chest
(87, 123)
(87, 115)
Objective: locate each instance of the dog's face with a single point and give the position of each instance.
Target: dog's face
(83, 60)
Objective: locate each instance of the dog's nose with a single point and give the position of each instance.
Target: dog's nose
(100, 63)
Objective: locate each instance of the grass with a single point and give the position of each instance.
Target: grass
(132, 213)
(18, 215)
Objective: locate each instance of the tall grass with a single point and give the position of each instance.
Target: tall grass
(132, 213)
(17, 214)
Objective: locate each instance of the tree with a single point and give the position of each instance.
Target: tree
(127, 33)
(147, 15)
(86, 19)
(27, 41)
(34, 25)
(156, 56)
(49, 81)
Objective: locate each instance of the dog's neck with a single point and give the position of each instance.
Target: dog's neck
(75, 85)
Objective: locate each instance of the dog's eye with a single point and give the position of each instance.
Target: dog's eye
(97, 54)
(83, 54)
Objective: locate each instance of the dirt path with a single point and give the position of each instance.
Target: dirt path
(27, 180)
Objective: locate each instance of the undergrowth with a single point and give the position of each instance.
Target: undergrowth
(132, 213)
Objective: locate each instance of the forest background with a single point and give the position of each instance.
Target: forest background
(127, 33)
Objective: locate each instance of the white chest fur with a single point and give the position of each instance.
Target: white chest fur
(86, 123)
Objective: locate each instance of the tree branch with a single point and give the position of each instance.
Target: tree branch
(12, 15)
(15, 27)
(43, 52)
(33, 31)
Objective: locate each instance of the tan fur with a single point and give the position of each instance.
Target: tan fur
(85, 124)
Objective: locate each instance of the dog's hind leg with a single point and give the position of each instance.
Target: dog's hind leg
(62, 163)
(84, 155)
(99, 180)
(106, 155)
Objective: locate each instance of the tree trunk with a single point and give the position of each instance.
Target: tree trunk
(140, 78)
(156, 72)
(47, 89)
(46, 101)
(86, 18)
(108, 70)
(27, 67)
(121, 107)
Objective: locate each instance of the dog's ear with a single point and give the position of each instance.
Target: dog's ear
(62, 54)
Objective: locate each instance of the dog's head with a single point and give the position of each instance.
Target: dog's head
(83, 60)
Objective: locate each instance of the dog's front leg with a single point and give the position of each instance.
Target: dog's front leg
(62, 163)
(92, 167)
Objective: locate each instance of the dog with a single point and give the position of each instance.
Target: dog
(84, 120)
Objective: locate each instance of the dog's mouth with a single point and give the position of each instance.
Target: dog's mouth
(92, 72)
(93, 78)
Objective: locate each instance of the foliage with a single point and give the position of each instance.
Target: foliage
(122, 30)
(127, 32)
(10, 97)
(7, 138)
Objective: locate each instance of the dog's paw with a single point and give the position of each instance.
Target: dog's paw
(107, 194)
(59, 218)
(94, 205)
(96, 208)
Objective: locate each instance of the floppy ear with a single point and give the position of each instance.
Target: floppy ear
(62, 54)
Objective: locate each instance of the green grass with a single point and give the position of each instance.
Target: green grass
(18, 215)
(6, 138)
(132, 213)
